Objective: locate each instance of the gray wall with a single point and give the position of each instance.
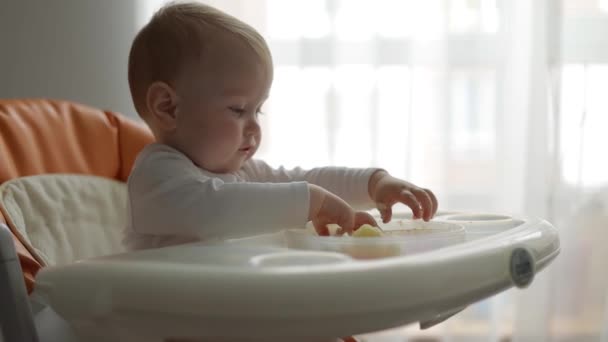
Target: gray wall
(67, 49)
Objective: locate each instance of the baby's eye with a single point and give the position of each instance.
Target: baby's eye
(237, 110)
(259, 111)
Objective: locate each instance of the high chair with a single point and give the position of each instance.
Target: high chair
(40, 136)
(57, 149)
(288, 285)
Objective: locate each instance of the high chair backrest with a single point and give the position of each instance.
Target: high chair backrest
(40, 136)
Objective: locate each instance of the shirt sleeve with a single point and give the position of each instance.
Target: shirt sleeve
(351, 184)
(173, 197)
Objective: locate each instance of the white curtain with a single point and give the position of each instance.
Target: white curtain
(496, 105)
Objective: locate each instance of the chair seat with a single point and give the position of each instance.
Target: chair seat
(42, 136)
(66, 217)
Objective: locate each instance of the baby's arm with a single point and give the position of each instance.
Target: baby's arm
(210, 208)
(169, 195)
(361, 188)
(350, 184)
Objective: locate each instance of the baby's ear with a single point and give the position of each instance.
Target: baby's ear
(162, 104)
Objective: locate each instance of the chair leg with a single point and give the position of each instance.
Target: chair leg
(16, 319)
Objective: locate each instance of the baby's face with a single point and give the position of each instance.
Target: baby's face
(218, 106)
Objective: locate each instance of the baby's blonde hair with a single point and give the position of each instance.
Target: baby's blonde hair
(175, 36)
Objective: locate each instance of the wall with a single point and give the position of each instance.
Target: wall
(68, 49)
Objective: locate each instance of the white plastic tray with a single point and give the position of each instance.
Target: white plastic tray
(259, 288)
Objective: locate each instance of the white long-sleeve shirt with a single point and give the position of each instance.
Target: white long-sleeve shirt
(173, 201)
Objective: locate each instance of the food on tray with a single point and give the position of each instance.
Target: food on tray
(367, 230)
(370, 249)
(399, 237)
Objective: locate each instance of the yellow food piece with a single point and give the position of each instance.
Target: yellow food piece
(367, 230)
(370, 251)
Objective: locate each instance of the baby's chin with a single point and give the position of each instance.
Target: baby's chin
(241, 164)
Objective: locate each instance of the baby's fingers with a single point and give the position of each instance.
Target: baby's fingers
(347, 224)
(321, 226)
(433, 200)
(408, 198)
(361, 218)
(386, 211)
(425, 202)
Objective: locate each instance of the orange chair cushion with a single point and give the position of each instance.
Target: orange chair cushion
(48, 136)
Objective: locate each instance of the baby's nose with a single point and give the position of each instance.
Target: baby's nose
(253, 128)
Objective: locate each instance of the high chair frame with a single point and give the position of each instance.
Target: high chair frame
(32, 131)
(16, 319)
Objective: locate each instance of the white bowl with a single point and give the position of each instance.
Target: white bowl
(401, 237)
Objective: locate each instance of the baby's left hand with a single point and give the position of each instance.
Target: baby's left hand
(386, 190)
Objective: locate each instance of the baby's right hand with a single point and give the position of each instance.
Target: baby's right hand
(326, 208)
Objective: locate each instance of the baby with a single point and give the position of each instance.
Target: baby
(198, 78)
